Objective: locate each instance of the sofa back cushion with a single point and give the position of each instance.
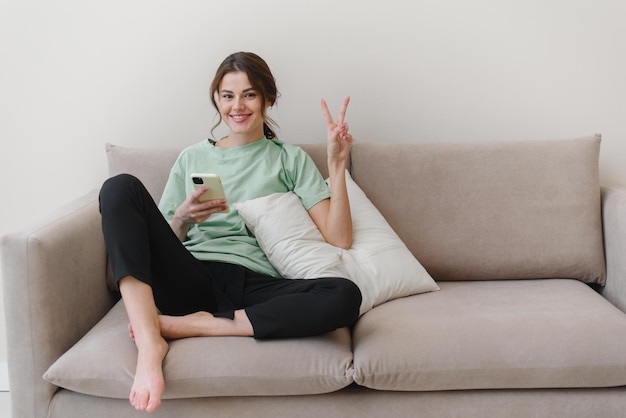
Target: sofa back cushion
(150, 165)
(480, 211)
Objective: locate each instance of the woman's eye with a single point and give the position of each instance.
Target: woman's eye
(250, 95)
(227, 96)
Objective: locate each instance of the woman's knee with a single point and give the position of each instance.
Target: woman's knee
(352, 291)
(115, 189)
(114, 184)
(348, 298)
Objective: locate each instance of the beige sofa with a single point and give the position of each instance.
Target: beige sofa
(527, 249)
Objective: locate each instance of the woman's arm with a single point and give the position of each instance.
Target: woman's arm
(332, 216)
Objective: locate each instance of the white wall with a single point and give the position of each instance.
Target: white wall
(77, 73)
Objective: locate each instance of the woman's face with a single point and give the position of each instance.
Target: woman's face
(241, 106)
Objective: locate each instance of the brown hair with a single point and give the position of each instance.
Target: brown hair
(260, 77)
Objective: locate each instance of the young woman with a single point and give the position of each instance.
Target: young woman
(187, 269)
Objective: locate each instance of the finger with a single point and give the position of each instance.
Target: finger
(342, 111)
(327, 115)
(210, 205)
(217, 203)
(195, 194)
(338, 131)
(343, 130)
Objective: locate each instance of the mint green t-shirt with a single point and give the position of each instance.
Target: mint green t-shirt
(257, 169)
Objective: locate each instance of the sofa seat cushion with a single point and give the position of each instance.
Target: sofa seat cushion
(103, 363)
(555, 333)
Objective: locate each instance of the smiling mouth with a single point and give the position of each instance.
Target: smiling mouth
(239, 118)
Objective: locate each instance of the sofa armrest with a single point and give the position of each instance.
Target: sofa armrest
(614, 225)
(55, 291)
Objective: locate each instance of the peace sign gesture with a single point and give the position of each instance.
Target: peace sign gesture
(339, 141)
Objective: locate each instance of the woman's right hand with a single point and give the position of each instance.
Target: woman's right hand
(192, 211)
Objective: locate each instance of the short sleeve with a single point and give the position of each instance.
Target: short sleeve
(308, 183)
(174, 192)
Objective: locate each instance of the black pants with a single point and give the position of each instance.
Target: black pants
(140, 243)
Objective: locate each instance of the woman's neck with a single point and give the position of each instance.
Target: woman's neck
(232, 141)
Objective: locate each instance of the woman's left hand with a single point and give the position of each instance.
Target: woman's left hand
(339, 140)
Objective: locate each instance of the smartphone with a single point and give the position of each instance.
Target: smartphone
(213, 183)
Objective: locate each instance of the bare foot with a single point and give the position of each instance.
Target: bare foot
(149, 384)
(198, 324)
(201, 324)
(204, 324)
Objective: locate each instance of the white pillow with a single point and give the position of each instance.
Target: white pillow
(378, 261)
(289, 238)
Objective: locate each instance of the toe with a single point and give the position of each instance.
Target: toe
(139, 401)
